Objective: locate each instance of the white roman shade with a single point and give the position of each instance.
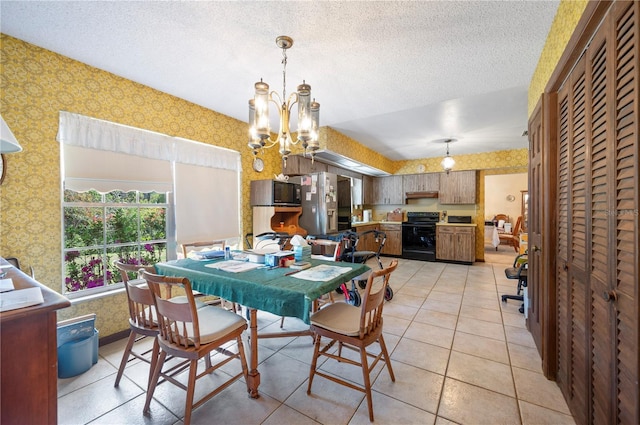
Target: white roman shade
(105, 156)
(207, 191)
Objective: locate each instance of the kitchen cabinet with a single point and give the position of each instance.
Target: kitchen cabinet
(456, 243)
(388, 190)
(393, 244)
(458, 187)
(425, 182)
(367, 190)
(367, 242)
(299, 165)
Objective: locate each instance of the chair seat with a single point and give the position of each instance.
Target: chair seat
(338, 317)
(511, 272)
(216, 322)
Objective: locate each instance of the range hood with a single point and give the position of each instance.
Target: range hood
(332, 158)
(421, 195)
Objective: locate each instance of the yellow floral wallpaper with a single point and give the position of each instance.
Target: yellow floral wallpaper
(565, 21)
(35, 84)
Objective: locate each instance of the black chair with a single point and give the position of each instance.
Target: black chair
(518, 272)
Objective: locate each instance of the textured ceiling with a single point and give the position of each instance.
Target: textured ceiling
(396, 76)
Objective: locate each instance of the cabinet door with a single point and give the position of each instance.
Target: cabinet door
(393, 244)
(388, 191)
(466, 244)
(367, 242)
(445, 243)
(426, 182)
(299, 165)
(367, 190)
(458, 187)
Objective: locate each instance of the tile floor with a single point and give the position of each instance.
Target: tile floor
(459, 355)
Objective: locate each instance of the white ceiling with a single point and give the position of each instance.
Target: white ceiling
(395, 76)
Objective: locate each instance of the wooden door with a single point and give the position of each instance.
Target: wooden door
(543, 175)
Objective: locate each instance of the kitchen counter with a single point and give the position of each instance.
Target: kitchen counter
(457, 224)
(374, 222)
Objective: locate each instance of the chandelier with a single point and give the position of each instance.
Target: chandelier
(448, 162)
(308, 113)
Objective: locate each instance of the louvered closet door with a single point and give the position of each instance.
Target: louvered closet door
(572, 277)
(597, 233)
(599, 186)
(626, 236)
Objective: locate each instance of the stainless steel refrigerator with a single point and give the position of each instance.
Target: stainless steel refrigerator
(319, 203)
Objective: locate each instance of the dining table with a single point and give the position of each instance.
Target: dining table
(278, 290)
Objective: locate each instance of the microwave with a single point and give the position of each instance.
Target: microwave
(275, 193)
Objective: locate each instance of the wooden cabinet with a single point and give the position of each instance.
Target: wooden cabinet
(388, 190)
(367, 242)
(299, 165)
(456, 243)
(277, 219)
(29, 357)
(367, 190)
(393, 244)
(425, 182)
(458, 187)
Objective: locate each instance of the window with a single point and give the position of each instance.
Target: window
(101, 228)
(134, 194)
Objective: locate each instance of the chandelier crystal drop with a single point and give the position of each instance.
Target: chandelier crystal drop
(308, 114)
(448, 162)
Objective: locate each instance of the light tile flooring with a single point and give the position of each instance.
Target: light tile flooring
(459, 355)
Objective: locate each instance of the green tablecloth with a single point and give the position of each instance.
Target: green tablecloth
(262, 289)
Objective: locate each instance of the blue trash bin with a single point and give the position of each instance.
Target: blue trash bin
(77, 346)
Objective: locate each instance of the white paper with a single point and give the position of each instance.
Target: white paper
(233, 266)
(321, 273)
(6, 285)
(21, 298)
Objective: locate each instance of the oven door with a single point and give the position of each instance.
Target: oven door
(419, 241)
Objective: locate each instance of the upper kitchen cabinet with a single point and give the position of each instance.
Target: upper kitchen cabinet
(426, 182)
(458, 187)
(367, 190)
(388, 190)
(299, 165)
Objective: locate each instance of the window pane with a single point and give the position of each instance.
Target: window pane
(122, 225)
(153, 224)
(83, 227)
(86, 270)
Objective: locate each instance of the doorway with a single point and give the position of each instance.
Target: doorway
(503, 195)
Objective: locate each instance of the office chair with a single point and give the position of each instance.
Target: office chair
(518, 272)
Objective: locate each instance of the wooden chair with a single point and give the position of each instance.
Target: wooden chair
(142, 318)
(191, 333)
(192, 246)
(512, 238)
(354, 328)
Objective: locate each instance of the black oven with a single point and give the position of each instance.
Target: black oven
(419, 236)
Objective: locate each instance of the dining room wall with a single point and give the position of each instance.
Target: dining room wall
(36, 84)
